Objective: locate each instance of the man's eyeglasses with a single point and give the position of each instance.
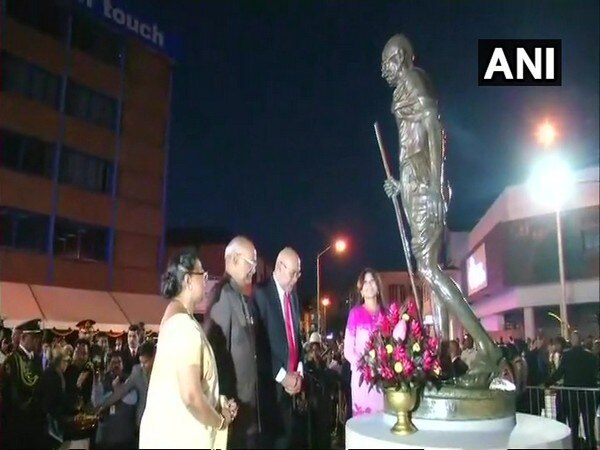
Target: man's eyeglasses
(293, 273)
(251, 263)
(203, 273)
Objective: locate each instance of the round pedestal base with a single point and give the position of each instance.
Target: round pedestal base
(525, 431)
(455, 403)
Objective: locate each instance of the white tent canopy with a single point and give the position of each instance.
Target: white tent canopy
(62, 308)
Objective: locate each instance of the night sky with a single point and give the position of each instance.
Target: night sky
(274, 104)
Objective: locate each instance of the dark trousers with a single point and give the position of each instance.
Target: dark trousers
(24, 431)
(583, 403)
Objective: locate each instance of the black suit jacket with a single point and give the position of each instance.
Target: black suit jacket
(274, 335)
(129, 360)
(273, 354)
(578, 368)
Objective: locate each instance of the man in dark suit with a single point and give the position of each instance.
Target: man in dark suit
(278, 308)
(579, 369)
(230, 330)
(24, 424)
(130, 353)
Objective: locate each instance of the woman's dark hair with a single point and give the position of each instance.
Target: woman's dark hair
(361, 281)
(172, 280)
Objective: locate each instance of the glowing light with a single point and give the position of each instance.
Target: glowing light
(552, 181)
(325, 302)
(546, 134)
(340, 246)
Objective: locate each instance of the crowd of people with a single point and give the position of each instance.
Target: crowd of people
(241, 374)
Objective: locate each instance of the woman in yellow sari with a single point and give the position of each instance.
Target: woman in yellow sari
(183, 407)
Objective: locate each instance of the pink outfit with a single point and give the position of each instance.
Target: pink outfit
(359, 326)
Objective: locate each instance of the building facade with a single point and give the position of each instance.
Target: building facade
(84, 131)
(510, 265)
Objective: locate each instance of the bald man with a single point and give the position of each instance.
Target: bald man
(230, 330)
(277, 304)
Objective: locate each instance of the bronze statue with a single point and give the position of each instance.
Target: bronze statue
(420, 186)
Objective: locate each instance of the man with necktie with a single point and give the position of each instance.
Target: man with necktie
(280, 348)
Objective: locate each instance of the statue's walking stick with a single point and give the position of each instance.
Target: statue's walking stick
(399, 220)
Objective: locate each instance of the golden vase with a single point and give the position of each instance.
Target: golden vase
(402, 402)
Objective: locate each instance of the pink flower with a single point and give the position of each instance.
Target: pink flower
(394, 314)
(367, 374)
(382, 353)
(386, 372)
(416, 329)
(428, 360)
(409, 368)
(399, 353)
(399, 332)
(433, 344)
(411, 307)
(386, 327)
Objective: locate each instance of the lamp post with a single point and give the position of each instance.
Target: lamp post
(325, 302)
(340, 247)
(552, 182)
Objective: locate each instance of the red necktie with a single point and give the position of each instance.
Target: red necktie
(289, 328)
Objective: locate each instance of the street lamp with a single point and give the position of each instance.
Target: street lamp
(339, 245)
(551, 182)
(546, 134)
(325, 302)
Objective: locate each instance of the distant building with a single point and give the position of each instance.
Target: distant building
(510, 263)
(85, 94)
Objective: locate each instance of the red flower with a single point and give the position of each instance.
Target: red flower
(412, 307)
(409, 368)
(433, 344)
(399, 353)
(381, 353)
(386, 327)
(394, 314)
(428, 360)
(386, 372)
(367, 374)
(416, 329)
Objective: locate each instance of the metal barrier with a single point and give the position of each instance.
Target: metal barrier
(577, 407)
(327, 409)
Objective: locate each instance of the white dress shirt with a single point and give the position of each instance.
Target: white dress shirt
(283, 372)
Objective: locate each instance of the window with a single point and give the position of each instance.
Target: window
(85, 171)
(23, 78)
(23, 230)
(95, 39)
(26, 154)
(80, 241)
(92, 106)
(591, 240)
(45, 16)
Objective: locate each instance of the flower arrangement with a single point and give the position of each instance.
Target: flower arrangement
(400, 353)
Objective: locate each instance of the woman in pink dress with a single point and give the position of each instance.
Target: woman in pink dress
(361, 320)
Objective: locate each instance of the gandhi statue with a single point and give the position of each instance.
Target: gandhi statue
(420, 186)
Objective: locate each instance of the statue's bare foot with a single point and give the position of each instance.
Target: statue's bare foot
(480, 374)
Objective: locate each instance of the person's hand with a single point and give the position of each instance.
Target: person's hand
(81, 378)
(116, 382)
(226, 413)
(292, 383)
(391, 187)
(436, 207)
(232, 407)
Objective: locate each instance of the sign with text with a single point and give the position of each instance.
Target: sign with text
(520, 62)
(119, 16)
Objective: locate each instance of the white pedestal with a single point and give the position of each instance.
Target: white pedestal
(373, 431)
